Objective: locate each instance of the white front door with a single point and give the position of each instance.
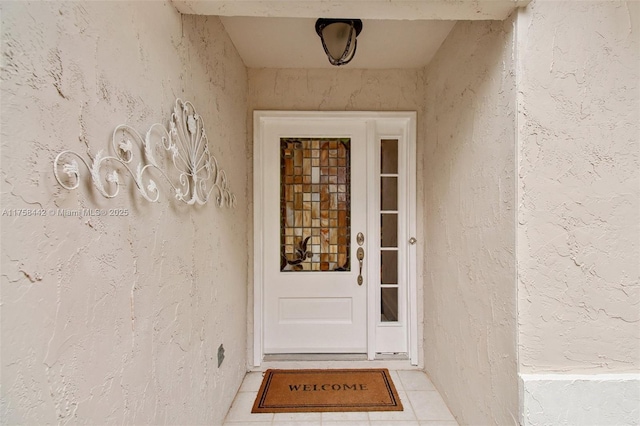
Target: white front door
(332, 274)
(313, 302)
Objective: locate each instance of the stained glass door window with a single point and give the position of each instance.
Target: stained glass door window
(315, 223)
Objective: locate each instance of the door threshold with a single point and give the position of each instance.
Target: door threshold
(315, 357)
(327, 361)
(392, 356)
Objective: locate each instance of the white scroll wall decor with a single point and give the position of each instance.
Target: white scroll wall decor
(196, 175)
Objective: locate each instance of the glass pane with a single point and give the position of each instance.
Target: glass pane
(389, 193)
(389, 304)
(315, 200)
(336, 36)
(389, 156)
(389, 230)
(389, 267)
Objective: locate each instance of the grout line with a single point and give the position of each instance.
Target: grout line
(415, 416)
(400, 379)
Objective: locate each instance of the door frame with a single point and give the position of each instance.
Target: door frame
(403, 120)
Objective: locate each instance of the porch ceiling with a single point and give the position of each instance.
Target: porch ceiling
(396, 33)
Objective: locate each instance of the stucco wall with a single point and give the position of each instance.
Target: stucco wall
(579, 187)
(335, 89)
(340, 90)
(117, 319)
(469, 222)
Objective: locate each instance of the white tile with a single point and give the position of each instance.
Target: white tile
(415, 381)
(297, 417)
(429, 405)
(345, 416)
(407, 414)
(396, 380)
(240, 410)
(423, 406)
(252, 382)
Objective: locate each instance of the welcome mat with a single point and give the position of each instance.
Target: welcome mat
(294, 391)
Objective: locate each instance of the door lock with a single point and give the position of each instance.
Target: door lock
(412, 241)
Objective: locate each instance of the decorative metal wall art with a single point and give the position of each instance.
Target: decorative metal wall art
(197, 172)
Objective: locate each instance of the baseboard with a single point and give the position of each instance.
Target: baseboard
(580, 399)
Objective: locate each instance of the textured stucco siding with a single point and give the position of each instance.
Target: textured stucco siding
(579, 187)
(335, 89)
(469, 204)
(117, 319)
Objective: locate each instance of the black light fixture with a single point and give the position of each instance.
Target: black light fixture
(339, 38)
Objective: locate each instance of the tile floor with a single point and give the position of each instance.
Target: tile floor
(423, 406)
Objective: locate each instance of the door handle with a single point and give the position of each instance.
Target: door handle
(360, 255)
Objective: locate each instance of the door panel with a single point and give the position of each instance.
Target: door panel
(319, 310)
(315, 204)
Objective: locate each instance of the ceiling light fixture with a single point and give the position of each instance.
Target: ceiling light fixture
(339, 38)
